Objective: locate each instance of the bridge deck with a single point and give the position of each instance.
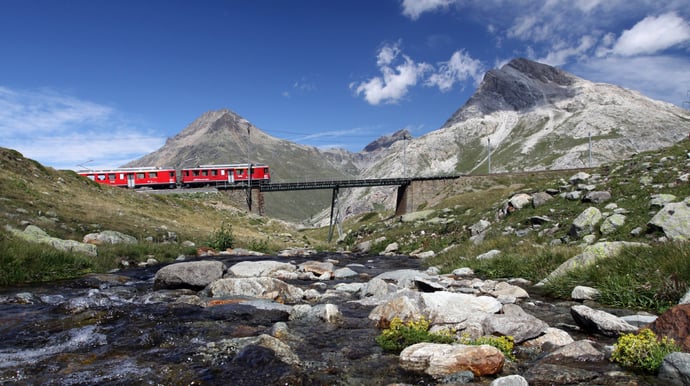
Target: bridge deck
(333, 184)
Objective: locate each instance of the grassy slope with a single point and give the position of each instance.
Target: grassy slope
(650, 279)
(69, 206)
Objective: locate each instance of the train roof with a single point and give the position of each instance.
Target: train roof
(120, 170)
(225, 166)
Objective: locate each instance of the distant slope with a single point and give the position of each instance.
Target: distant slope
(221, 137)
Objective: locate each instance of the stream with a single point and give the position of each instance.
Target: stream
(114, 329)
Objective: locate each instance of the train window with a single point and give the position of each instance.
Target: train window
(222, 172)
(196, 172)
(204, 172)
(239, 172)
(153, 174)
(111, 177)
(214, 172)
(101, 177)
(140, 175)
(172, 174)
(122, 176)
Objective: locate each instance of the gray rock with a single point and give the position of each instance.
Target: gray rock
(35, 234)
(259, 268)
(597, 197)
(489, 255)
(579, 178)
(600, 322)
(612, 223)
(515, 322)
(520, 200)
(510, 380)
(590, 255)
(552, 336)
(674, 220)
(675, 369)
(540, 198)
(258, 287)
(584, 293)
(194, 275)
(659, 200)
(581, 350)
(109, 237)
(585, 222)
(343, 273)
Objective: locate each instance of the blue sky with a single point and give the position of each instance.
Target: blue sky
(99, 83)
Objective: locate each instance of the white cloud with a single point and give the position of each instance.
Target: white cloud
(459, 68)
(395, 80)
(660, 77)
(415, 8)
(653, 34)
(561, 56)
(62, 131)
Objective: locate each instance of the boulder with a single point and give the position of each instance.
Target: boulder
(585, 222)
(444, 307)
(675, 369)
(584, 293)
(612, 223)
(674, 220)
(579, 178)
(193, 275)
(597, 197)
(515, 322)
(318, 268)
(600, 322)
(109, 237)
(674, 323)
(510, 380)
(540, 198)
(443, 359)
(258, 287)
(259, 268)
(520, 200)
(590, 255)
(35, 234)
(552, 337)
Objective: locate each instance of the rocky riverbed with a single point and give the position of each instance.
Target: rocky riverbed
(298, 320)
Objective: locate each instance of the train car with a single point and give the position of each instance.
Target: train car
(224, 175)
(152, 177)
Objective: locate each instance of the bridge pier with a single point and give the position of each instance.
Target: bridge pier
(405, 193)
(255, 194)
(336, 209)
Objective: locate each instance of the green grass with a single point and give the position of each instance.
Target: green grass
(639, 278)
(25, 262)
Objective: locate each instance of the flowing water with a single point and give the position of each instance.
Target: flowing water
(116, 330)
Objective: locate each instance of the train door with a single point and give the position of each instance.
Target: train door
(130, 181)
(231, 176)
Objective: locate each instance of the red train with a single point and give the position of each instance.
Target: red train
(162, 178)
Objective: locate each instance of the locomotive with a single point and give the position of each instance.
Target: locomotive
(218, 176)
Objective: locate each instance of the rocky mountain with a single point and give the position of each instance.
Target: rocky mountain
(530, 115)
(534, 117)
(224, 137)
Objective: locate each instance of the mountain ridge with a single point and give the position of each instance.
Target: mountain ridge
(533, 116)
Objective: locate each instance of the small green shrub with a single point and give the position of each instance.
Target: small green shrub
(643, 351)
(400, 335)
(505, 344)
(222, 238)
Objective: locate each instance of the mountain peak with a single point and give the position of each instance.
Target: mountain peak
(387, 140)
(519, 85)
